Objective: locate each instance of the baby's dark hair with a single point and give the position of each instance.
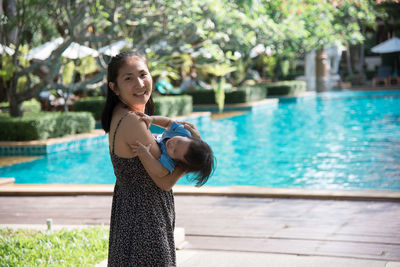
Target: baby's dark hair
(199, 160)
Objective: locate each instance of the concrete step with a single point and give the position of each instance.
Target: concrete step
(6, 181)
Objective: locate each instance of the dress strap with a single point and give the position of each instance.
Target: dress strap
(116, 128)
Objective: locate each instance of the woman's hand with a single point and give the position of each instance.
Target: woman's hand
(146, 118)
(139, 149)
(191, 128)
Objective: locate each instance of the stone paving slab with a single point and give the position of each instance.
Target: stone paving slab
(314, 227)
(187, 258)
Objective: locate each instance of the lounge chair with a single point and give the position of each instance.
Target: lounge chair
(383, 75)
(394, 77)
(166, 88)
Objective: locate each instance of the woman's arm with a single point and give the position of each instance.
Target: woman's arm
(150, 163)
(167, 182)
(132, 130)
(161, 121)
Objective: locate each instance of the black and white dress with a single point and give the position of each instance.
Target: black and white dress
(142, 217)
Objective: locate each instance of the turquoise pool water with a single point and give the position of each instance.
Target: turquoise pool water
(335, 140)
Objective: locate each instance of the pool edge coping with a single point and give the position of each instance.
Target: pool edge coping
(232, 191)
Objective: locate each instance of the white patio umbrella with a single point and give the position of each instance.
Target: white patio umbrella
(6, 49)
(43, 51)
(74, 51)
(114, 48)
(389, 46)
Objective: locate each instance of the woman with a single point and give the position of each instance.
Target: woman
(143, 215)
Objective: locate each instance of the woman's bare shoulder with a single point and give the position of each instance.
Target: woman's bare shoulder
(132, 128)
(130, 122)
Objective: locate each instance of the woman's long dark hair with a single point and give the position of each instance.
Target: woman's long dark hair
(112, 99)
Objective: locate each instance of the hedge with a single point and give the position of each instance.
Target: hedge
(169, 106)
(201, 97)
(172, 106)
(31, 106)
(94, 105)
(44, 125)
(232, 96)
(245, 94)
(27, 106)
(285, 88)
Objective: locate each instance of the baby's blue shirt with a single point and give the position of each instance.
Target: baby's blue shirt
(175, 129)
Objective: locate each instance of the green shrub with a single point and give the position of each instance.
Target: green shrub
(164, 105)
(356, 79)
(242, 94)
(202, 97)
(27, 106)
(245, 94)
(370, 74)
(172, 106)
(84, 247)
(44, 125)
(31, 106)
(285, 88)
(94, 105)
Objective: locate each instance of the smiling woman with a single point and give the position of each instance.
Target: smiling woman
(133, 85)
(143, 215)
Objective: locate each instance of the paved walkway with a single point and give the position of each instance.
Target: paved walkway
(238, 231)
(202, 258)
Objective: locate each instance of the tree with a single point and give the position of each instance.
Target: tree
(176, 33)
(40, 17)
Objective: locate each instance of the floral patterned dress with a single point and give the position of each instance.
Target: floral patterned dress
(142, 217)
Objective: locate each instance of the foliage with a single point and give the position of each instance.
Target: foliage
(93, 105)
(219, 93)
(68, 72)
(84, 247)
(7, 68)
(172, 106)
(268, 64)
(179, 34)
(44, 125)
(31, 106)
(356, 79)
(167, 66)
(246, 94)
(285, 88)
(220, 70)
(86, 65)
(242, 94)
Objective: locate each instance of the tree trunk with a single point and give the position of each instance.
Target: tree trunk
(361, 63)
(10, 9)
(321, 70)
(14, 100)
(348, 61)
(15, 106)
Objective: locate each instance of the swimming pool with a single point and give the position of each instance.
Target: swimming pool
(336, 140)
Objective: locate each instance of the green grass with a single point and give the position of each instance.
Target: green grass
(84, 247)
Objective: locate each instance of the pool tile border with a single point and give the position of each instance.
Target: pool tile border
(232, 191)
(44, 147)
(249, 106)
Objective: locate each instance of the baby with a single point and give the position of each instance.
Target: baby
(178, 148)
